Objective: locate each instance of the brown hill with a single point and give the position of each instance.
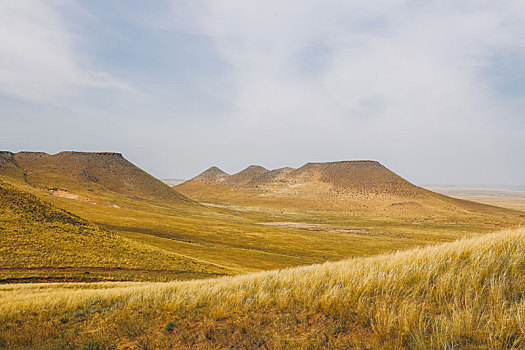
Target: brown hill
(215, 176)
(269, 176)
(361, 185)
(245, 176)
(85, 171)
(210, 175)
(7, 160)
(360, 177)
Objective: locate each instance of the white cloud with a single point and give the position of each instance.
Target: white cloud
(401, 81)
(391, 50)
(417, 85)
(37, 56)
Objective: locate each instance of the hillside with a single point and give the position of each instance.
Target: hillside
(210, 175)
(466, 294)
(269, 176)
(364, 187)
(356, 178)
(353, 177)
(263, 231)
(243, 177)
(84, 172)
(39, 242)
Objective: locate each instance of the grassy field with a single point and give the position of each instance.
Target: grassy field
(465, 294)
(233, 239)
(230, 233)
(39, 242)
(132, 236)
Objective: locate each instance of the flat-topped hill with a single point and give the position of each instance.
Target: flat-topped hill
(85, 170)
(361, 176)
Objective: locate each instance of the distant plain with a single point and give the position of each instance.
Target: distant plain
(501, 197)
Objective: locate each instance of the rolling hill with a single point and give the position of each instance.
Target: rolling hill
(84, 217)
(119, 198)
(39, 242)
(243, 177)
(210, 175)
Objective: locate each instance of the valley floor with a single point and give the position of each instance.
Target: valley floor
(199, 241)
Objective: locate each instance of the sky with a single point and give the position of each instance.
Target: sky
(434, 90)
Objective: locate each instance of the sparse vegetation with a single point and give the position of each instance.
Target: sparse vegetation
(363, 188)
(224, 238)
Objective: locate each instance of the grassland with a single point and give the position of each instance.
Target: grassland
(235, 234)
(97, 218)
(43, 243)
(233, 239)
(466, 294)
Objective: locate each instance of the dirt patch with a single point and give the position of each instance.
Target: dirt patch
(291, 225)
(50, 279)
(58, 192)
(63, 193)
(325, 228)
(406, 204)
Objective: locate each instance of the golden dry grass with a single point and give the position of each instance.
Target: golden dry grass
(41, 242)
(132, 208)
(200, 240)
(465, 294)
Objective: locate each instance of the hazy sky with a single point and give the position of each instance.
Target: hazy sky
(435, 90)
